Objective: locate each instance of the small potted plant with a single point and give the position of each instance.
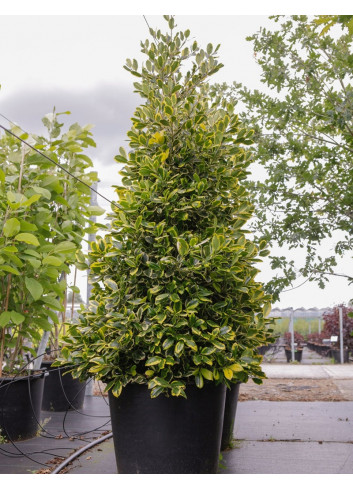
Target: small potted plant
(35, 251)
(298, 349)
(176, 314)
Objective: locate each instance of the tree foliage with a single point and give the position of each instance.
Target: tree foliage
(303, 132)
(328, 21)
(332, 325)
(174, 296)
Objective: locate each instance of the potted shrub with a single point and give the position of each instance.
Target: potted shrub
(61, 390)
(332, 328)
(298, 341)
(176, 314)
(35, 251)
(73, 219)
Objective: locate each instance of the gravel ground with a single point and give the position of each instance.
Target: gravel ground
(305, 390)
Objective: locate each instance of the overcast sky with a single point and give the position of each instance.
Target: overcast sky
(76, 63)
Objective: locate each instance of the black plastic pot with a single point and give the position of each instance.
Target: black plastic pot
(62, 392)
(230, 410)
(336, 355)
(297, 355)
(263, 349)
(20, 404)
(167, 435)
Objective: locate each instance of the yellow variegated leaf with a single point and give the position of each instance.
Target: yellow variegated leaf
(228, 373)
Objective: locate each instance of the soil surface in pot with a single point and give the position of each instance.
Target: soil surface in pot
(303, 390)
(24, 373)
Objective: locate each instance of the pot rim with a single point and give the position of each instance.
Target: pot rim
(39, 373)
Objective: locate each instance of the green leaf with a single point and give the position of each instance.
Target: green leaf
(42, 191)
(11, 227)
(52, 302)
(206, 373)
(8, 268)
(27, 238)
(111, 284)
(199, 381)
(182, 246)
(179, 348)
(116, 390)
(34, 288)
(156, 289)
(167, 343)
(156, 391)
(5, 318)
(215, 243)
(236, 367)
(65, 247)
(191, 344)
(95, 210)
(52, 260)
(31, 200)
(228, 373)
(137, 302)
(27, 226)
(153, 361)
(266, 309)
(44, 324)
(17, 318)
(161, 298)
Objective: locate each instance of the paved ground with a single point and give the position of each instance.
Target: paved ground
(270, 437)
(61, 435)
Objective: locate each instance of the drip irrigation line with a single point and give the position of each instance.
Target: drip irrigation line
(28, 455)
(72, 457)
(102, 394)
(53, 161)
(24, 370)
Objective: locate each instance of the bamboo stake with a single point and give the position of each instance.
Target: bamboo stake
(6, 305)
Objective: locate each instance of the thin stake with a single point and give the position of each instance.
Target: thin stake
(340, 310)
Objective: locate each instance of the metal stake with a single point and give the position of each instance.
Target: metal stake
(91, 237)
(340, 310)
(291, 329)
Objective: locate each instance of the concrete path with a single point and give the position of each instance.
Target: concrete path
(270, 438)
(298, 371)
(292, 438)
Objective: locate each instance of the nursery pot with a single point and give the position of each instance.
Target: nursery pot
(263, 349)
(230, 410)
(167, 435)
(20, 404)
(298, 353)
(336, 355)
(61, 390)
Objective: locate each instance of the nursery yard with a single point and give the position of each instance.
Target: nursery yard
(304, 390)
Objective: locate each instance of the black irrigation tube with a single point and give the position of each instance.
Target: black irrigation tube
(76, 454)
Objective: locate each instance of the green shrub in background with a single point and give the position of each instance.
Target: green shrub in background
(44, 216)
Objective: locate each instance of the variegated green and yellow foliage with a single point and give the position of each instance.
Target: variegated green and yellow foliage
(174, 299)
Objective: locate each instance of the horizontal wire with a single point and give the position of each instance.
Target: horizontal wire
(51, 160)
